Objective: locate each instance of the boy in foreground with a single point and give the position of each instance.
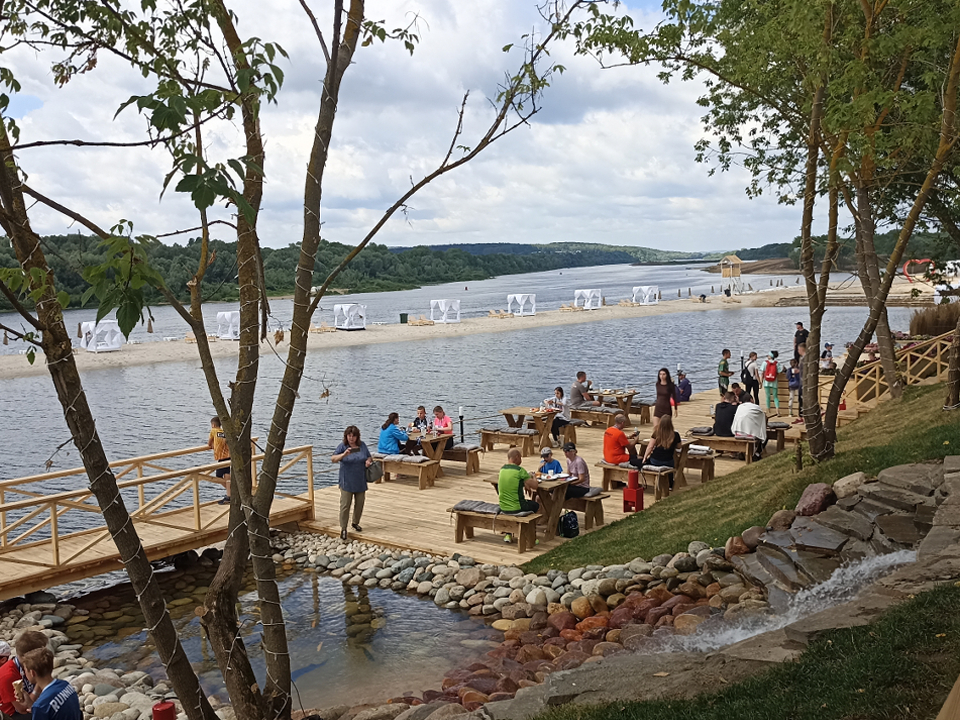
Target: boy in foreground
(57, 700)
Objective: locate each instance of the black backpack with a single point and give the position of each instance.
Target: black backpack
(745, 377)
(568, 526)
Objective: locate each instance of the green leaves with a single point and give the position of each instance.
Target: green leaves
(119, 281)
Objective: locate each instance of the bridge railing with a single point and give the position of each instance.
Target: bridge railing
(161, 499)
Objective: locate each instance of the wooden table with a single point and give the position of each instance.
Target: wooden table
(433, 445)
(542, 422)
(781, 434)
(679, 461)
(623, 399)
(550, 494)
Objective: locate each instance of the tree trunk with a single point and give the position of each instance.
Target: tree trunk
(870, 280)
(953, 372)
(58, 351)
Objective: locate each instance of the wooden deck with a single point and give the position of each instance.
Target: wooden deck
(398, 515)
(46, 538)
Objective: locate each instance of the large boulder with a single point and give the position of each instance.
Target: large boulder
(781, 520)
(735, 546)
(815, 499)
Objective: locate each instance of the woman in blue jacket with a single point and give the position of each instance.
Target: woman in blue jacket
(393, 438)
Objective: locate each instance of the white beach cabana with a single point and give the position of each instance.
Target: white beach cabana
(351, 316)
(646, 294)
(445, 311)
(591, 299)
(104, 336)
(526, 304)
(228, 325)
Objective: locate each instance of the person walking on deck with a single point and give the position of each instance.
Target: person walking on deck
(666, 397)
(723, 372)
(354, 459)
(771, 374)
(217, 442)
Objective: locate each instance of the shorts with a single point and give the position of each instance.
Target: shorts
(224, 470)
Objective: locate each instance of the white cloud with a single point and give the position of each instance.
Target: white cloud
(610, 158)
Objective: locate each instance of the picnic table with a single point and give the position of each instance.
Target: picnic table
(680, 459)
(551, 492)
(542, 422)
(624, 400)
(433, 445)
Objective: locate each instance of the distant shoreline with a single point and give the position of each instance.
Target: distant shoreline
(770, 266)
(15, 366)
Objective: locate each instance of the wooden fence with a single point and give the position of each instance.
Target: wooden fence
(160, 505)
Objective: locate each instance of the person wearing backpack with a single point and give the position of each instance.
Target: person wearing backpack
(771, 371)
(793, 384)
(750, 375)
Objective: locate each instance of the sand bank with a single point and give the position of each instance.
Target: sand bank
(13, 366)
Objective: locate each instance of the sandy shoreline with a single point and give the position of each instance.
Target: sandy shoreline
(14, 366)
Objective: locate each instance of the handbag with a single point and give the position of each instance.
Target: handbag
(374, 471)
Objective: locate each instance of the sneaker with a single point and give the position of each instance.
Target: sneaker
(223, 501)
(798, 421)
(507, 538)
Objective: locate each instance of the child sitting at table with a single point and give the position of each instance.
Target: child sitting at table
(549, 466)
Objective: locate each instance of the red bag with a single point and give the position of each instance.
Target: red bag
(770, 372)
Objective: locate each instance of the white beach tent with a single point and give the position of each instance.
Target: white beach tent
(350, 316)
(104, 336)
(228, 325)
(591, 298)
(449, 311)
(646, 294)
(949, 289)
(526, 304)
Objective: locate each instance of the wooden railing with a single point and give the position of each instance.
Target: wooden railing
(926, 360)
(38, 517)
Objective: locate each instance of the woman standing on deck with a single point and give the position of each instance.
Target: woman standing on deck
(354, 458)
(666, 397)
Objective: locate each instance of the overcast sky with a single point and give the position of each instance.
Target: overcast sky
(610, 158)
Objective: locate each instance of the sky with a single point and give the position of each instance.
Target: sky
(609, 159)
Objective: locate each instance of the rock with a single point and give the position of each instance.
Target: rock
(40, 597)
(808, 534)
(781, 520)
(107, 709)
(916, 478)
(615, 600)
(686, 624)
(849, 484)
(607, 586)
(562, 620)
(732, 593)
(735, 546)
(581, 608)
(751, 536)
(845, 522)
(683, 562)
(383, 712)
(816, 498)
(502, 625)
(900, 527)
(537, 597)
(508, 573)
(103, 689)
(469, 576)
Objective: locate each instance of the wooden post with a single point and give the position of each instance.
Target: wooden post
(309, 454)
(140, 490)
(54, 537)
(3, 519)
(689, 292)
(678, 292)
(196, 501)
(798, 462)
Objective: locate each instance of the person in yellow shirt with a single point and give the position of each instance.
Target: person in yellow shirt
(221, 451)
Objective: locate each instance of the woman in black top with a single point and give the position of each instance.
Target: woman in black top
(666, 396)
(662, 446)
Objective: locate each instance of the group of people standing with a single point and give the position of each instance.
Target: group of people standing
(765, 373)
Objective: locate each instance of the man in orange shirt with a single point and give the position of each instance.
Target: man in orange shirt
(221, 451)
(618, 447)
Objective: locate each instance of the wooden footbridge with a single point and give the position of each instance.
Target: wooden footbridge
(50, 536)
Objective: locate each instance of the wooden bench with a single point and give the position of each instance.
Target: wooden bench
(612, 473)
(470, 457)
(591, 507)
(524, 528)
(643, 409)
(727, 444)
(703, 463)
(425, 472)
(489, 438)
(594, 416)
(569, 434)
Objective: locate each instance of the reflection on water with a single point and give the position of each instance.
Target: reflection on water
(341, 637)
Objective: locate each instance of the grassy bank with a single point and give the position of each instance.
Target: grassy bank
(911, 429)
(900, 667)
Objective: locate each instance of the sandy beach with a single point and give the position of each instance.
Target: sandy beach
(14, 366)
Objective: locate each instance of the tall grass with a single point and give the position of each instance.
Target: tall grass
(935, 320)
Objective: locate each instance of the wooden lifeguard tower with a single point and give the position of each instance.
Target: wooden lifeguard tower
(730, 274)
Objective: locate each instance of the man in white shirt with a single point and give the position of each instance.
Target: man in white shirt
(751, 422)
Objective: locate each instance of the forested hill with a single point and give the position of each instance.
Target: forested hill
(376, 268)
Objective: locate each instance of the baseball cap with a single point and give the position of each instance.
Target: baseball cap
(545, 452)
(828, 344)
(5, 650)
(567, 447)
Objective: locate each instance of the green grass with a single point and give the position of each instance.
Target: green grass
(900, 667)
(911, 429)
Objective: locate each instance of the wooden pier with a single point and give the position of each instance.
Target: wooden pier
(42, 544)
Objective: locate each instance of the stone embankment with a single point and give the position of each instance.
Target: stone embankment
(571, 636)
(112, 693)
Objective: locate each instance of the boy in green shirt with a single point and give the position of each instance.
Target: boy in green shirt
(723, 372)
